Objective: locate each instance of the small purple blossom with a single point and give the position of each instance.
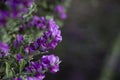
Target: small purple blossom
(18, 41)
(29, 50)
(61, 11)
(4, 49)
(19, 38)
(21, 28)
(19, 57)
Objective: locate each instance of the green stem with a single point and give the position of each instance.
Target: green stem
(111, 62)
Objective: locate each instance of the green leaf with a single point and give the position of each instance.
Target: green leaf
(49, 17)
(60, 23)
(7, 69)
(31, 9)
(22, 65)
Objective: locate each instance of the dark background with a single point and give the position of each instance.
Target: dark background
(89, 34)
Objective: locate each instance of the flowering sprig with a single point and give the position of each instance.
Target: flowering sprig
(27, 34)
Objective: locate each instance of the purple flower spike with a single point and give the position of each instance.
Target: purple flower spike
(51, 37)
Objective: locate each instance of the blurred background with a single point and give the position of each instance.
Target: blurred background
(90, 49)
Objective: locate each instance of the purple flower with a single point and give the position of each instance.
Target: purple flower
(18, 79)
(29, 49)
(19, 38)
(48, 62)
(34, 67)
(30, 78)
(38, 22)
(51, 63)
(36, 77)
(18, 41)
(42, 42)
(4, 49)
(19, 57)
(21, 28)
(39, 76)
(35, 21)
(51, 37)
(3, 17)
(61, 11)
(54, 32)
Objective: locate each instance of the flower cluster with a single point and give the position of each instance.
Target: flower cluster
(13, 9)
(47, 63)
(51, 63)
(51, 35)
